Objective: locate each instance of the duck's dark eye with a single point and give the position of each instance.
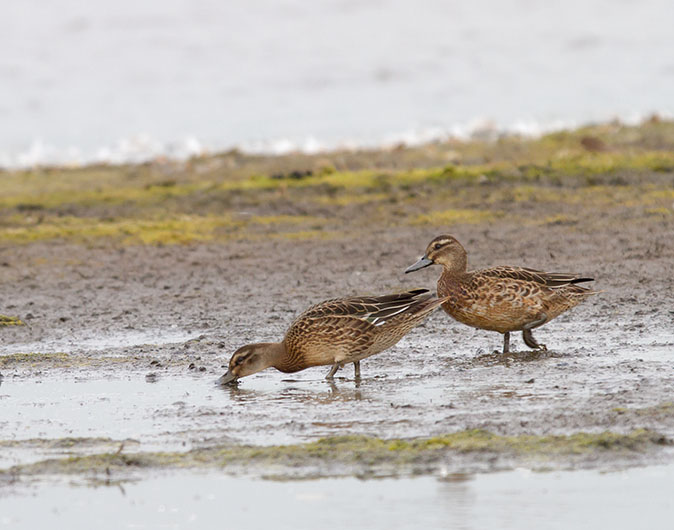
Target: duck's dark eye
(437, 246)
(238, 361)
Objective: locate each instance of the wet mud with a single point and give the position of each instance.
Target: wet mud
(108, 370)
(113, 372)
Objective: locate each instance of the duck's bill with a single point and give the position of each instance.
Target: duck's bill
(423, 262)
(227, 379)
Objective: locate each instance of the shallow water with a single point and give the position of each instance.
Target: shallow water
(424, 386)
(80, 81)
(635, 498)
(87, 340)
(609, 368)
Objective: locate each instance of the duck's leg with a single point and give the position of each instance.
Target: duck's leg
(332, 372)
(506, 342)
(529, 338)
(531, 342)
(356, 369)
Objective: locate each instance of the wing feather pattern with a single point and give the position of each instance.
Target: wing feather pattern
(548, 279)
(374, 310)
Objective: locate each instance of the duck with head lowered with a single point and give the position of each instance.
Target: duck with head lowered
(336, 332)
(502, 299)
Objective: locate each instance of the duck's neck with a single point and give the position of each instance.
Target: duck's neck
(276, 355)
(453, 274)
(456, 267)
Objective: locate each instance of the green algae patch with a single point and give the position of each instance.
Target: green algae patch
(357, 455)
(114, 195)
(663, 212)
(278, 220)
(576, 168)
(583, 173)
(307, 235)
(660, 410)
(29, 360)
(578, 443)
(589, 165)
(13, 360)
(181, 229)
(10, 321)
(478, 440)
(455, 216)
(558, 219)
(348, 199)
(68, 443)
(604, 197)
(663, 408)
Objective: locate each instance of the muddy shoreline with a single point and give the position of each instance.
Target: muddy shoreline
(124, 340)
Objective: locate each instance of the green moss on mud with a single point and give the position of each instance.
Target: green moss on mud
(233, 196)
(10, 321)
(66, 360)
(66, 443)
(32, 359)
(456, 216)
(355, 453)
(182, 229)
(661, 409)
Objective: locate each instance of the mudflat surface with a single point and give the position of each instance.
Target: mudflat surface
(123, 341)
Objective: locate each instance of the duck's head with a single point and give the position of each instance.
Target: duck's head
(444, 250)
(248, 360)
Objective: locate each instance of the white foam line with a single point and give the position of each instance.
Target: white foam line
(143, 148)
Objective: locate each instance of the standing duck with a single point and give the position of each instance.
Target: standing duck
(502, 299)
(336, 332)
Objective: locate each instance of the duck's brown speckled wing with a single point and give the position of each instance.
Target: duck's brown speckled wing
(508, 298)
(548, 279)
(349, 329)
(372, 309)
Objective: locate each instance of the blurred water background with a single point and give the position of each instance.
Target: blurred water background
(131, 80)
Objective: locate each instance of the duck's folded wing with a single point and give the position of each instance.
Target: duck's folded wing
(375, 310)
(548, 279)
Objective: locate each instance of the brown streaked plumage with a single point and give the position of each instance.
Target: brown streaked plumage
(502, 299)
(337, 332)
